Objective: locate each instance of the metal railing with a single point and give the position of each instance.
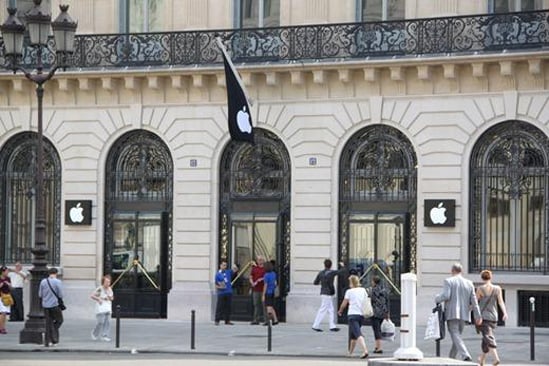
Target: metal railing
(411, 37)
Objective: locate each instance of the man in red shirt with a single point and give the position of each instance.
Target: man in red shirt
(256, 282)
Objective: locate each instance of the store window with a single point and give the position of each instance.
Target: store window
(18, 215)
(506, 6)
(141, 16)
(380, 10)
(509, 190)
(258, 13)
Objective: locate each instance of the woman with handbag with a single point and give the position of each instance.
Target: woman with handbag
(7, 300)
(103, 297)
(380, 303)
(355, 297)
(489, 296)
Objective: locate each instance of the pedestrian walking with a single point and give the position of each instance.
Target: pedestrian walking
(354, 298)
(269, 290)
(103, 297)
(458, 294)
(224, 289)
(50, 291)
(18, 277)
(325, 278)
(489, 297)
(380, 304)
(5, 303)
(256, 282)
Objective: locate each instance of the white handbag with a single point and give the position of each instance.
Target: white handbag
(367, 309)
(433, 327)
(388, 330)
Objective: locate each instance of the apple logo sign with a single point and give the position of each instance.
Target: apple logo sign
(438, 214)
(76, 213)
(243, 121)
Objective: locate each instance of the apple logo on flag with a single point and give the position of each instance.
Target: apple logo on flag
(438, 214)
(243, 121)
(76, 214)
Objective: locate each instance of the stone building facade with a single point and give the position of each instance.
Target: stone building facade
(349, 148)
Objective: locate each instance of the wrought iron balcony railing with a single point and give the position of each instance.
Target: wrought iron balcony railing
(432, 36)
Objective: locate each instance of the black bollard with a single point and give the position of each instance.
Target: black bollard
(192, 328)
(532, 327)
(269, 336)
(117, 326)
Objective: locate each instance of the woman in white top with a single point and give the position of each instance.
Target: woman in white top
(103, 297)
(355, 297)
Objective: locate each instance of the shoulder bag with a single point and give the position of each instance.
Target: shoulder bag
(59, 300)
(367, 309)
(477, 327)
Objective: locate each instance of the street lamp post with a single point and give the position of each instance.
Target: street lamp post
(13, 34)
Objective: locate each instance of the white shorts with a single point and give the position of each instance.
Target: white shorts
(4, 309)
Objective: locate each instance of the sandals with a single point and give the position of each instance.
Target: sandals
(365, 355)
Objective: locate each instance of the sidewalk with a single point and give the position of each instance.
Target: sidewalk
(165, 336)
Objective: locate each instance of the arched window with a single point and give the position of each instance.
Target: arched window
(509, 192)
(18, 167)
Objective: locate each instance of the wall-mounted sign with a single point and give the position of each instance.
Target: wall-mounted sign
(78, 212)
(440, 213)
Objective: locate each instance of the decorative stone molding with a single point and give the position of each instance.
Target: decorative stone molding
(130, 82)
(152, 82)
(198, 80)
(107, 83)
(396, 73)
(478, 69)
(506, 68)
(296, 77)
(423, 72)
(449, 71)
(370, 74)
(271, 78)
(344, 75)
(17, 84)
(534, 66)
(177, 81)
(63, 84)
(83, 83)
(318, 76)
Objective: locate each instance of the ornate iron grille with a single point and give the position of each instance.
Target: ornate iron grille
(509, 193)
(18, 164)
(431, 36)
(260, 173)
(141, 171)
(139, 177)
(378, 166)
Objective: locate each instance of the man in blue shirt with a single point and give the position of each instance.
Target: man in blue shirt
(224, 290)
(50, 290)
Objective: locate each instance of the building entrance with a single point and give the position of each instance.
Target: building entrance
(139, 276)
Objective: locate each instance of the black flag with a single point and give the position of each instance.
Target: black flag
(240, 121)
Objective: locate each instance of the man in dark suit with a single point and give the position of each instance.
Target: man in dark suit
(459, 297)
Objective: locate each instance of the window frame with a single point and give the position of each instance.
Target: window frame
(517, 6)
(384, 10)
(239, 10)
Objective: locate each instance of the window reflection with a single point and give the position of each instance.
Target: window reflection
(381, 10)
(259, 13)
